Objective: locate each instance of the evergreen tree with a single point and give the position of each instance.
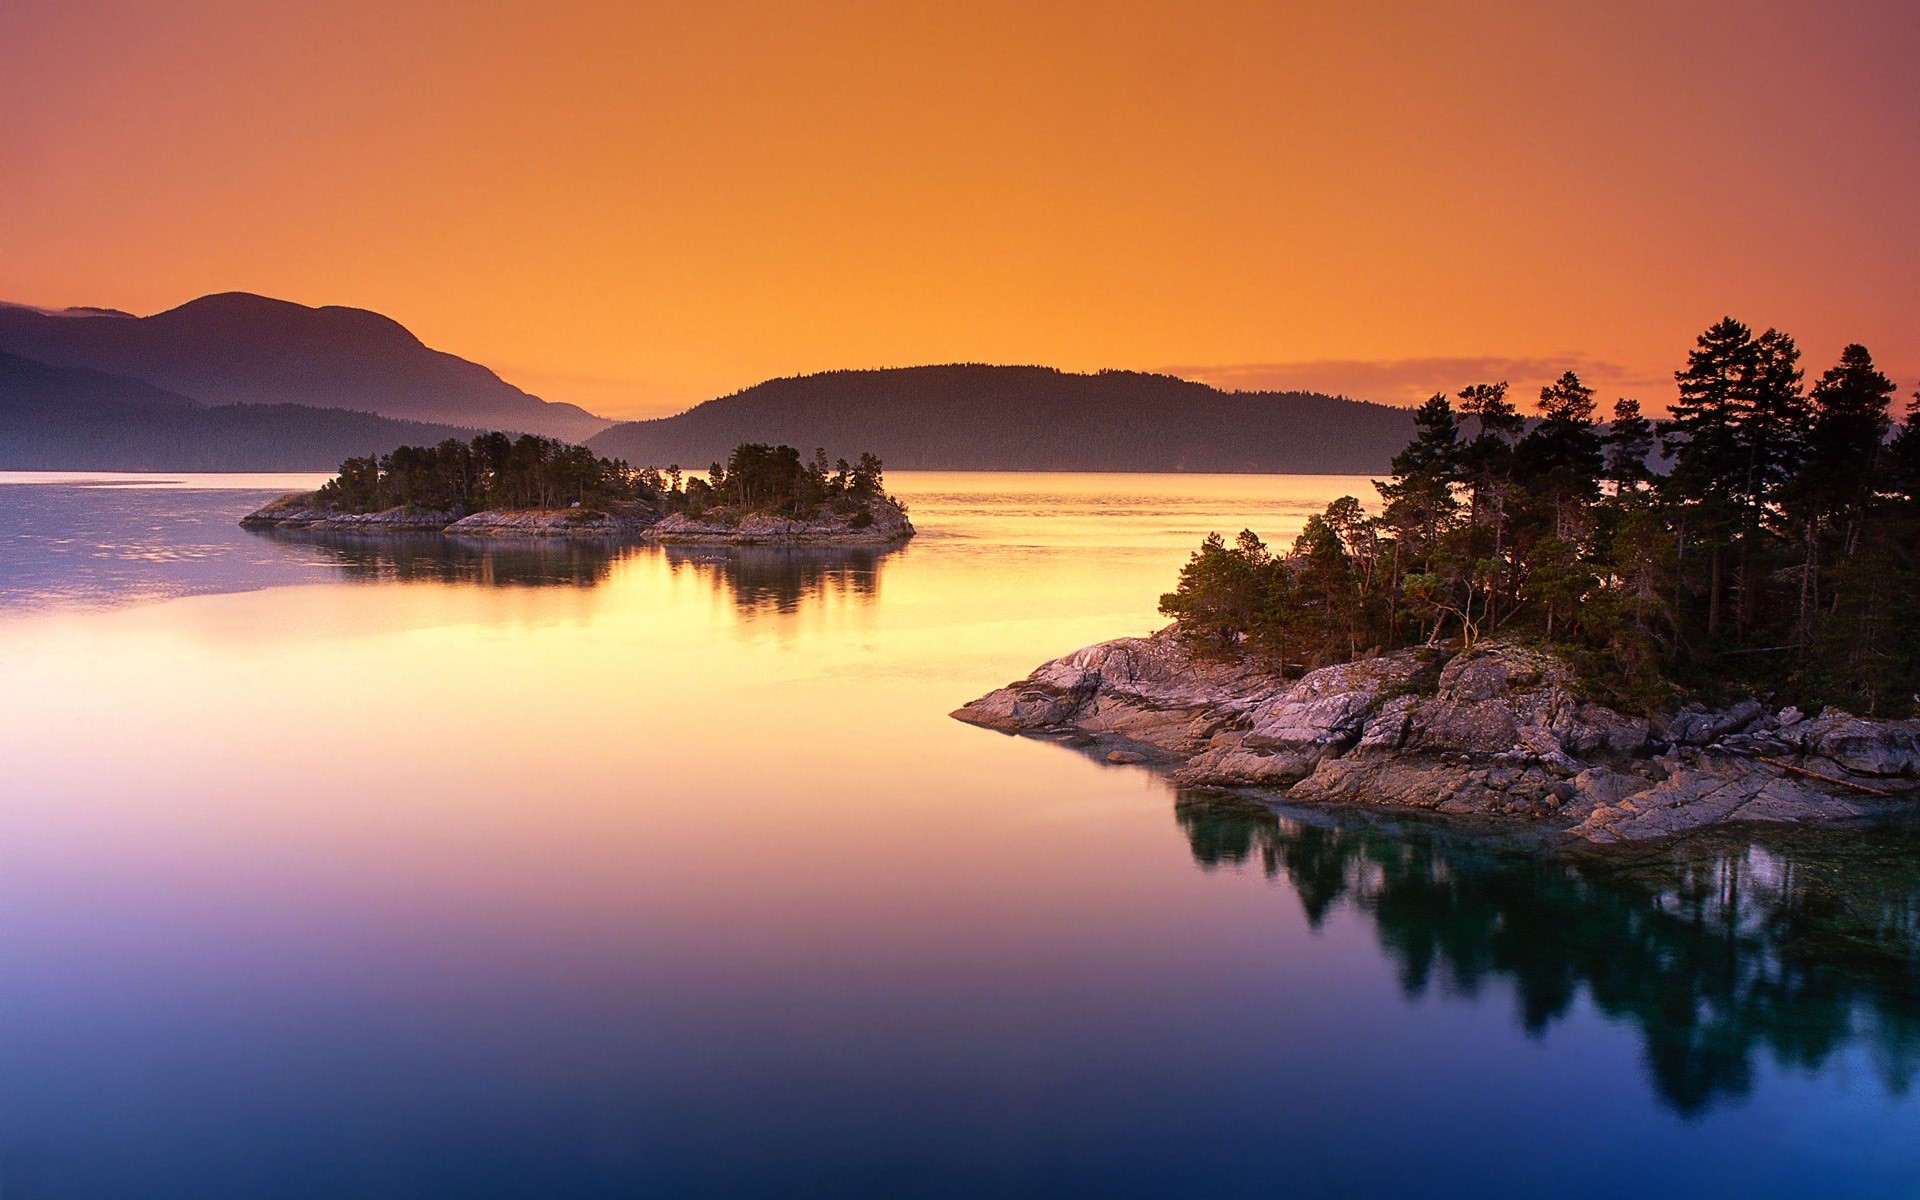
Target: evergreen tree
(1844, 442)
(1420, 504)
(1487, 460)
(1628, 442)
(1561, 460)
(1702, 439)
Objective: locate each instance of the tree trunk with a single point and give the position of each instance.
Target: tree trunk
(1714, 581)
(1809, 588)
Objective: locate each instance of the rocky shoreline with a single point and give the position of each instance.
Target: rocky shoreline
(886, 524)
(1497, 732)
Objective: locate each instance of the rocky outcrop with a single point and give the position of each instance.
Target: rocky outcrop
(551, 522)
(298, 511)
(1498, 732)
(876, 522)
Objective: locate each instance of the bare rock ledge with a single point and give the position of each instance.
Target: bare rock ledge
(1496, 732)
(886, 524)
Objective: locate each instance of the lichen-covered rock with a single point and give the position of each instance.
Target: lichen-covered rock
(1881, 748)
(1700, 728)
(1156, 690)
(1287, 733)
(1706, 787)
(1498, 732)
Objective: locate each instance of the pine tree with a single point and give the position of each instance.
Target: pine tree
(1420, 504)
(1628, 441)
(1845, 441)
(1560, 461)
(1487, 461)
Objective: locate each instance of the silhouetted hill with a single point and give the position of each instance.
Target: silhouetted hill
(238, 348)
(27, 386)
(973, 417)
(71, 419)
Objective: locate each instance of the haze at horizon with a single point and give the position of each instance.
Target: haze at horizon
(638, 211)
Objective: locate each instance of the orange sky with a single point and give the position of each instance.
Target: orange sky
(638, 206)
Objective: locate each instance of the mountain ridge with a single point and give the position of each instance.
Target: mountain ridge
(243, 348)
(977, 416)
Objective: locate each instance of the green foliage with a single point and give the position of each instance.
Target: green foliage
(492, 471)
(1781, 554)
(496, 471)
(773, 479)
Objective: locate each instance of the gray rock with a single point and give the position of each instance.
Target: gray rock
(1700, 728)
(1880, 748)
(1500, 733)
(887, 526)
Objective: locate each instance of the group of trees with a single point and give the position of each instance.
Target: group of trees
(1778, 549)
(495, 470)
(760, 478)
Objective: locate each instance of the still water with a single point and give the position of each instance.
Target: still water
(339, 868)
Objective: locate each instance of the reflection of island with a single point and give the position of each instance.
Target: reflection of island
(1712, 951)
(523, 562)
(782, 578)
(756, 579)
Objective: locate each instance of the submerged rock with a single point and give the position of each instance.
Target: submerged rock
(1497, 732)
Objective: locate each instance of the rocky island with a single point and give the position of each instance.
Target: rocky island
(1497, 731)
(1553, 633)
(498, 486)
(765, 495)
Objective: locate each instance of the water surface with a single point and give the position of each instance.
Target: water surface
(341, 867)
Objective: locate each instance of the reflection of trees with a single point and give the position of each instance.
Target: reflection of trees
(779, 579)
(755, 578)
(516, 562)
(1797, 944)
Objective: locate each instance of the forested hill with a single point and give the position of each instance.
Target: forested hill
(975, 417)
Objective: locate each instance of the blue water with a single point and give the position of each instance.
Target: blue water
(346, 868)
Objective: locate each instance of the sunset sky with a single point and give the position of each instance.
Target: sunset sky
(636, 207)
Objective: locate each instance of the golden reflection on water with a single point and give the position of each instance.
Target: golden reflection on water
(746, 739)
(684, 842)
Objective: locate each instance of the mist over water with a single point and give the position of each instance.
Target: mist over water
(377, 867)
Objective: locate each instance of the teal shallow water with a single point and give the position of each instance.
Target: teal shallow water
(346, 868)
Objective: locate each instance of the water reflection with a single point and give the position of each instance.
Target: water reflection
(409, 558)
(755, 579)
(1796, 945)
(761, 579)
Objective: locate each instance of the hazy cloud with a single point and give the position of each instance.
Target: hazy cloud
(617, 399)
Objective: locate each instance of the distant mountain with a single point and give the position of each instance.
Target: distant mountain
(238, 348)
(73, 419)
(973, 417)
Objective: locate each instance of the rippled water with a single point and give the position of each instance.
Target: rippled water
(346, 867)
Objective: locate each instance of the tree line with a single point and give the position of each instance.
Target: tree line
(760, 478)
(1764, 537)
(494, 470)
(498, 471)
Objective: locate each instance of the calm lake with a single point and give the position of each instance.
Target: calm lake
(341, 868)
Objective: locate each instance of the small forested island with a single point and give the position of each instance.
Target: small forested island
(498, 485)
(1541, 625)
(766, 494)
